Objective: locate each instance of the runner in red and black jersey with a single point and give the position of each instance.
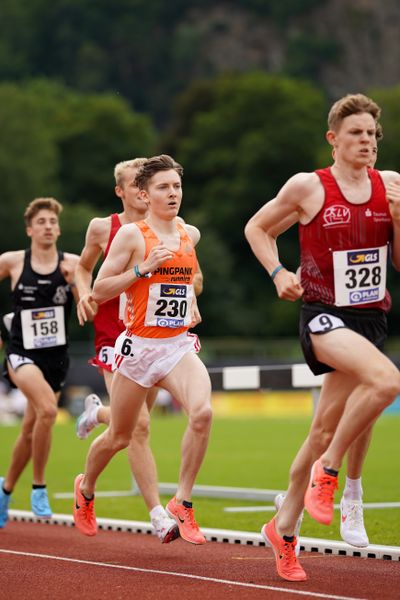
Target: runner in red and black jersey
(349, 223)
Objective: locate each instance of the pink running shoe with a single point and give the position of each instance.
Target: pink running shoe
(184, 517)
(287, 565)
(84, 517)
(318, 499)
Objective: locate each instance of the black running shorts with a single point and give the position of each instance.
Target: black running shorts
(314, 318)
(54, 365)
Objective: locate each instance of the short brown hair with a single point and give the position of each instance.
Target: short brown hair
(41, 204)
(352, 104)
(121, 167)
(153, 165)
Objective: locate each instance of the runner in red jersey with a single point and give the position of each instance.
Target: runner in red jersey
(352, 527)
(345, 235)
(342, 226)
(163, 353)
(107, 321)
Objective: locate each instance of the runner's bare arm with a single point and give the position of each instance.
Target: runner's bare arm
(195, 235)
(5, 262)
(117, 271)
(115, 274)
(270, 221)
(68, 269)
(195, 313)
(11, 264)
(95, 242)
(198, 281)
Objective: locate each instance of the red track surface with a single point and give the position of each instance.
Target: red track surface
(44, 561)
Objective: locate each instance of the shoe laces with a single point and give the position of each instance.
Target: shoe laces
(355, 517)
(189, 515)
(288, 554)
(327, 485)
(87, 508)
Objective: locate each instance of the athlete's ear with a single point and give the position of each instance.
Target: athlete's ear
(144, 196)
(118, 191)
(330, 137)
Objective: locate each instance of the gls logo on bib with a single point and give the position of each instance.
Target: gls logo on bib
(361, 258)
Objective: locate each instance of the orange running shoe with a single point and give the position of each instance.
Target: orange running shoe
(287, 565)
(184, 516)
(84, 517)
(318, 499)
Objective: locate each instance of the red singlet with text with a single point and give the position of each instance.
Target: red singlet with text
(107, 324)
(344, 248)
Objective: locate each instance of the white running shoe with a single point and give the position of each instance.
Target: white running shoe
(166, 528)
(87, 421)
(352, 527)
(278, 503)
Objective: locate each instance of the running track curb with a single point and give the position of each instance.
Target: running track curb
(246, 538)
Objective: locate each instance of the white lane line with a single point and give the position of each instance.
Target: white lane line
(184, 575)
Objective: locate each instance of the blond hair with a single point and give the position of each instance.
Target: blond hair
(352, 104)
(41, 204)
(121, 167)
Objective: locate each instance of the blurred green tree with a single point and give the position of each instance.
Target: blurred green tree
(28, 161)
(92, 133)
(57, 142)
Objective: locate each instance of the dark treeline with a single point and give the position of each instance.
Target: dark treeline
(86, 84)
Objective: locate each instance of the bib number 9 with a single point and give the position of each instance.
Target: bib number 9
(324, 322)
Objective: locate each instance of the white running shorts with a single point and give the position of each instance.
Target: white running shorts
(148, 360)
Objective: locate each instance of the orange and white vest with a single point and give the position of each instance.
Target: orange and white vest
(160, 306)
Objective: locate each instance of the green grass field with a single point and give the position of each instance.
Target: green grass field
(253, 452)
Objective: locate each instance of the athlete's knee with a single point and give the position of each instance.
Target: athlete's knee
(201, 418)
(141, 433)
(47, 413)
(117, 441)
(386, 387)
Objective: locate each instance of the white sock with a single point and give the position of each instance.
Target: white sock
(94, 415)
(353, 489)
(157, 511)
